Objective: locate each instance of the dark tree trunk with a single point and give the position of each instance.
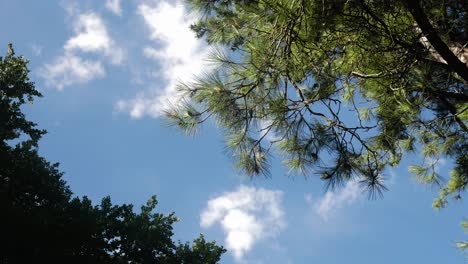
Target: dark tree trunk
(434, 39)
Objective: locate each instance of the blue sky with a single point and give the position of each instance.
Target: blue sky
(108, 68)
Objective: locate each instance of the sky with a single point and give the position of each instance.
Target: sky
(108, 69)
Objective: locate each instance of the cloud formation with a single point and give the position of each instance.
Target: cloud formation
(332, 201)
(174, 47)
(70, 69)
(114, 6)
(246, 216)
(91, 36)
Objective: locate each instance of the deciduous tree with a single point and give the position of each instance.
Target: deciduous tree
(40, 220)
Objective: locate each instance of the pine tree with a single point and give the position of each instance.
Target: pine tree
(342, 89)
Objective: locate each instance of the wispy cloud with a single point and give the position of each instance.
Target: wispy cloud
(114, 6)
(266, 129)
(36, 49)
(90, 36)
(174, 47)
(247, 216)
(332, 201)
(70, 69)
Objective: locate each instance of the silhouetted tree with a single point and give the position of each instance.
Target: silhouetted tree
(40, 220)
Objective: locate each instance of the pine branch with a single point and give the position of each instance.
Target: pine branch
(434, 39)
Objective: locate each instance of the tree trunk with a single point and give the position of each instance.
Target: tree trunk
(434, 39)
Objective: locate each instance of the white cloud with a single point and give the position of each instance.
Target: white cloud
(179, 53)
(137, 107)
(90, 36)
(69, 69)
(71, 7)
(246, 215)
(114, 6)
(266, 130)
(331, 202)
(152, 53)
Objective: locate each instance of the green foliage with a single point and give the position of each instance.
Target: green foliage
(200, 252)
(42, 223)
(347, 87)
(16, 89)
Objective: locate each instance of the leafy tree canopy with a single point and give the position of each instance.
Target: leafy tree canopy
(42, 223)
(343, 88)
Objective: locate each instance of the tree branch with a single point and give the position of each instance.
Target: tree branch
(368, 76)
(434, 39)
